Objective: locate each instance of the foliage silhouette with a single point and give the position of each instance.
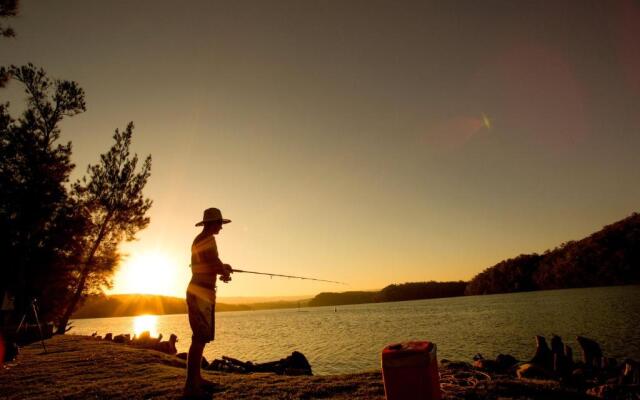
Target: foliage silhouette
(115, 208)
(59, 241)
(395, 292)
(8, 8)
(421, 290)
(610, 256)
(338, 299)
(39, 226)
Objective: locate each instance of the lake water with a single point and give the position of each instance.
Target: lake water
(349, 338)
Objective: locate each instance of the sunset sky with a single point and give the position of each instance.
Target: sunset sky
(361, 141)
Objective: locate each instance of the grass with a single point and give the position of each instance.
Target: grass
(80, 367)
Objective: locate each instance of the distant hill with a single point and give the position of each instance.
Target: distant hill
(421, 290)
(610, 256)
(123, 305)
(338, 299)
(401, 292)
(262, 299)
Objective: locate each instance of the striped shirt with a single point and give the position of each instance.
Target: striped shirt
(205, 263)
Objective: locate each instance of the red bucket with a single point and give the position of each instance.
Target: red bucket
(410, 371)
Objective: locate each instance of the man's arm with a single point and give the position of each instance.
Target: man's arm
(218, 267)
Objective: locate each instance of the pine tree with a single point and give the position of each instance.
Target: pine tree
(112, 202)
(38, 225)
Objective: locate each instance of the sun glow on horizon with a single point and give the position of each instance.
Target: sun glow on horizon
(149, 272)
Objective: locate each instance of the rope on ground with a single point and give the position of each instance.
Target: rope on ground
(457, 383)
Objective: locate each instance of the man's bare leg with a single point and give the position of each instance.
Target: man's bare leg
(193, 385)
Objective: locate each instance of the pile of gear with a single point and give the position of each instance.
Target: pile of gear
(295, 364)
(593, 375)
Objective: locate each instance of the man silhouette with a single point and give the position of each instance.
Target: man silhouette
(201, 298)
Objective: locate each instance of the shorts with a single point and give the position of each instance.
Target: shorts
(201, 305)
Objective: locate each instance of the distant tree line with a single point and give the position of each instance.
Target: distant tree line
(399, 292)
(338, 299)
(421, 290)
(122, 305)
(610, 256)
(129, 305)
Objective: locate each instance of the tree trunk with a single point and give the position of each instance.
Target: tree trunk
(64, 321)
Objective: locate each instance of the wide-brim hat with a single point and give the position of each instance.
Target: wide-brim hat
(212, 215)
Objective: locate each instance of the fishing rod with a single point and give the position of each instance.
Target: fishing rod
(284, 276)
(244, 271)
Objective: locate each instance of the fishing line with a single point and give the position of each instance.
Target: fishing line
(285, 276)
(244, 271)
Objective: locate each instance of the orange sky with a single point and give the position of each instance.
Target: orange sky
(367, 142)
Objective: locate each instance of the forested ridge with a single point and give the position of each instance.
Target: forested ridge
(610, 256)
(395, 292)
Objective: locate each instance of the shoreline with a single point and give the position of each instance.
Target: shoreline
(80, 367)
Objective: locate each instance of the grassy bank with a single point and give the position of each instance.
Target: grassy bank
(79, 367)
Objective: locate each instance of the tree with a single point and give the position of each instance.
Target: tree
(39, 228)
(607, 257)
(59, 241)
(112, 202)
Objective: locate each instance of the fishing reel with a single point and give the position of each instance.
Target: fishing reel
(225, 275)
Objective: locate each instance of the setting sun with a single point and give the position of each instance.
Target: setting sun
(146, 323)
(151, 272)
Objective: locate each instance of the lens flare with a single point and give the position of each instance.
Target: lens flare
(486, 122)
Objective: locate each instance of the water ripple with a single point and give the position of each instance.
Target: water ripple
(350, 340)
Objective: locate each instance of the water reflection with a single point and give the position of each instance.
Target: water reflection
(143, 323)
